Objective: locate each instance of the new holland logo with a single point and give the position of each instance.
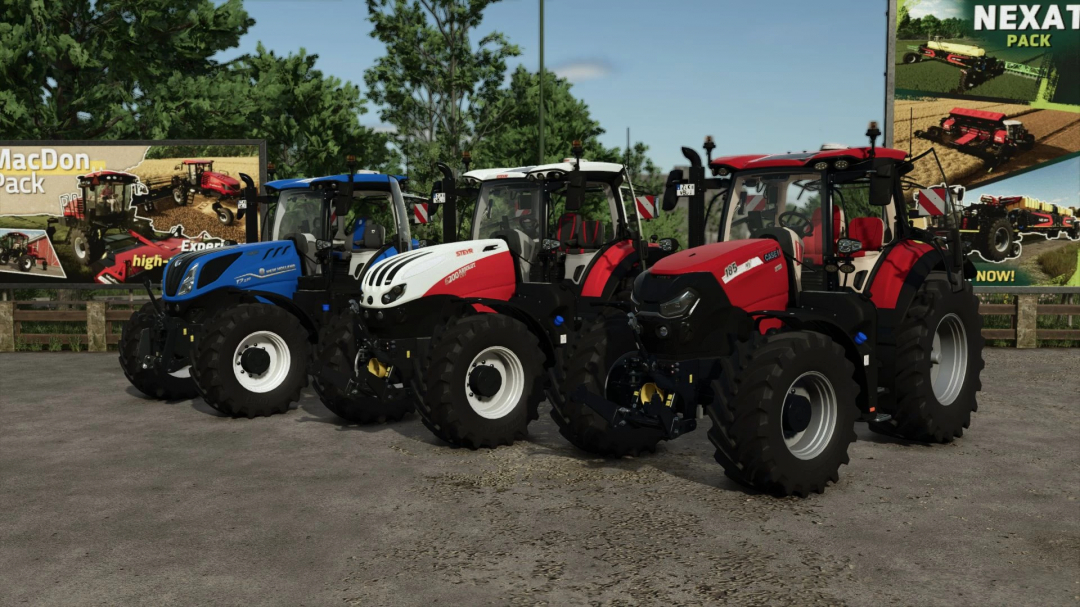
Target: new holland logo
(459, 273)
(264, 273)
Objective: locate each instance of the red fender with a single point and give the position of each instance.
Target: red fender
(604, 266)
(489, 278)
(894, 270)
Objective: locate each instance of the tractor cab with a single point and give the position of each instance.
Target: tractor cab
(1014, 129)
(375, 226)
(556, 218)
(195, 169)
(105, 197)
(13, 242)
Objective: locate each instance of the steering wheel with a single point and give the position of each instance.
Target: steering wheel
(528, 225)
(797, 222)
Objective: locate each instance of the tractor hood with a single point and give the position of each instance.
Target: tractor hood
(274, 267)
(476, 268)
(222, 181)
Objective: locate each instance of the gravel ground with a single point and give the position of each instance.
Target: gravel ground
(109, 498)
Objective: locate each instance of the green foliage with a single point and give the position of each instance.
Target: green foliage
(929, 26)
(435, 86)
(75, 343)
(55, 344)
(72, 69)
(1061, 263)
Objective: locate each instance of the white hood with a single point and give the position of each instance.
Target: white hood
(424, 268)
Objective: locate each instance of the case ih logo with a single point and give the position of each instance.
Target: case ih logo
(771, 255)
(464, 252)
(459, 273)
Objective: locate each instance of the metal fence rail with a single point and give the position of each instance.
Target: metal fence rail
(102, 315)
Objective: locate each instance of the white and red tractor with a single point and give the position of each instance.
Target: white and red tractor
(471, 333)
(789, 329)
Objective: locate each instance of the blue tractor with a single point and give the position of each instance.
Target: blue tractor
(236, 324)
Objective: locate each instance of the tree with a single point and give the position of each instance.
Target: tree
(434, 86)
(71, 69)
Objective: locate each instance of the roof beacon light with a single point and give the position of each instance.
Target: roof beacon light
(577, 150)
(873, 132)
(709, 147)
(466, 159)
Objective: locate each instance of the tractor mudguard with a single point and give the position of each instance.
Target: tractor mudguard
(608, 267)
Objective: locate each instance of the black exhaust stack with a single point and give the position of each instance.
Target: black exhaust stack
(449, 204)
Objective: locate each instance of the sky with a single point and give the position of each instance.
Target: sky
(761, 76)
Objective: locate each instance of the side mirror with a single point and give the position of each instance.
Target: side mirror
(671, 195)
(342, 204)
(323, 245)
(575, 191)
(881, 184)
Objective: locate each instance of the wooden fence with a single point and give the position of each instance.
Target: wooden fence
(102, 314)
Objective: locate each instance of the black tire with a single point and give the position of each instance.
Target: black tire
(748, 412)
(216, 372)
(917, 412)
(594, 362)
(180, 195)
(910, 58)
(337, 349)
(225, 216)
(25, 263)
(995, 242)
(444, 406)
(935, 133)
(151, 382)
(87, 250)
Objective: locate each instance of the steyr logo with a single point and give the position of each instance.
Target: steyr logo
(459, 273)
(464, 252)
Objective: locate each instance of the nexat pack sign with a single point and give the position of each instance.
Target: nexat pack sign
(116, 212)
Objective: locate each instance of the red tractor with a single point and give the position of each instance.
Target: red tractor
(104, 205)
(985, 135)
(820, 306)
(15, 248)
(199, 177)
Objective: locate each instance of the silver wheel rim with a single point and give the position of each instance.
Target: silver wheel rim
(275, 374)
(948, 359)
(509, 394)
(79, 247)
(178, 195)
(1001, 240)
(811, 442)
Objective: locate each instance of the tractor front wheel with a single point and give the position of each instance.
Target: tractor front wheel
(910, 58)
(938, 362)
(152, 382)
(251, 360)
(596, 362)
(784, 412)
(25, 263)
(484, 383)
(87, 250)
(180, 195)
(338, 351)
(996, 241)
(225, 216)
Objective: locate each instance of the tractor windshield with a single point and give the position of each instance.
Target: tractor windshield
(107, 198)
(756, 202)
(297, 212)
(508, 204)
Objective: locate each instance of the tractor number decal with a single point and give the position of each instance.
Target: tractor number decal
(684, 189)
(459, 273)
(931, 201)
(734, 270)
(646, 207)
(439, 198)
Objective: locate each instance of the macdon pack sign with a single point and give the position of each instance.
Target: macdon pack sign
(994, 88)
(116, 212)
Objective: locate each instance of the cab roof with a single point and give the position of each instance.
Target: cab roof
(769, 161)
(297, 183)
(109, 176)
(197, 161)
(586, 165)
(504, 173)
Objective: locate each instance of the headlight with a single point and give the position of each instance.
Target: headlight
(393, 294)
(189, 281)
(679, 306)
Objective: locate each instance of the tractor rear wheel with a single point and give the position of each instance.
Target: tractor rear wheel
(784, 412)
(252, 360)
(180, 195)
(595, 362)
(337, 350)
(225, 216)
(484, 382)
(152, 382)
(910, 58)
(25, 263)
(996, 241)
(87, 250)
(938, 362)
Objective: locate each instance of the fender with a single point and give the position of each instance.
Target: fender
(898, 274)
(609, 265)
(226, 296)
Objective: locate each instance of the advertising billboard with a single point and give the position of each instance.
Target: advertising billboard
(994, 88)
(115, 212)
